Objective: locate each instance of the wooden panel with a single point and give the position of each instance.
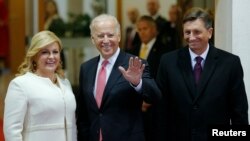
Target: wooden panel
(17, 33)
(119, 10)
(119, 16)
(41, 13)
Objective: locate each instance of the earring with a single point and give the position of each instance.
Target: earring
(34, 65)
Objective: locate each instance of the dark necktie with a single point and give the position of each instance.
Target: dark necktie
(197, 69)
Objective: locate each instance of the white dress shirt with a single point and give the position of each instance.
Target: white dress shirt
(203, 55)
(109, 68)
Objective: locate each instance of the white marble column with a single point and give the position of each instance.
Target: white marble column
(232, 32)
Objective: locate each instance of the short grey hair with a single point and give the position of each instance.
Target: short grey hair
(198, 13)
(104, 17)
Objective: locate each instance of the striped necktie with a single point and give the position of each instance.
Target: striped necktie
(197, 69)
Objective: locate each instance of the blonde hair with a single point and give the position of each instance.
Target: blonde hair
(39, 41)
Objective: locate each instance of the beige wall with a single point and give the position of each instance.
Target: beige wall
(232, 32)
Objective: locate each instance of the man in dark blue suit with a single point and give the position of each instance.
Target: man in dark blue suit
(153, 7)
(147, 30)
(128, 82)
(218, 97)
(131, 35)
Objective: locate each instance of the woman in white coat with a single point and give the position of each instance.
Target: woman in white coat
(40, 104)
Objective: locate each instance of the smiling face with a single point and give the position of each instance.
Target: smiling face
(197, 35)
(106, 38)
(48, 59)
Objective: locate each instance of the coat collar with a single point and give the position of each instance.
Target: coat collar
(208, 69)
(184, 63)
(114, 75)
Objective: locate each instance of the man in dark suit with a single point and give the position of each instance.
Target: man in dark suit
(131, 35)
(118, 116)
(153, 7)
(173, 30)
(217, 97)
(147, 30)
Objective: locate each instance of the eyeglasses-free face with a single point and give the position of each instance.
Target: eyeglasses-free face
(48, 59)
(106, 38)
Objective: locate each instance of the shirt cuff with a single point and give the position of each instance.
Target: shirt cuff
(138, 87)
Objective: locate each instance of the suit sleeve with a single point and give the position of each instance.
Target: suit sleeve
(151, 92)
(14, 112)
(81, 112)
(238, 99)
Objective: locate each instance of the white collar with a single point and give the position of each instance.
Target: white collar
(112, 59)
(150, 43)
(203, 55)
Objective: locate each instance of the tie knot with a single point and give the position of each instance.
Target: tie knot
(104, 63)
(198, 59)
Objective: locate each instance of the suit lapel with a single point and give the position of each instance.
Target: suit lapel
(152, 53)
(92, 75)
(114, 76)
(208, 69)
(184, 63)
